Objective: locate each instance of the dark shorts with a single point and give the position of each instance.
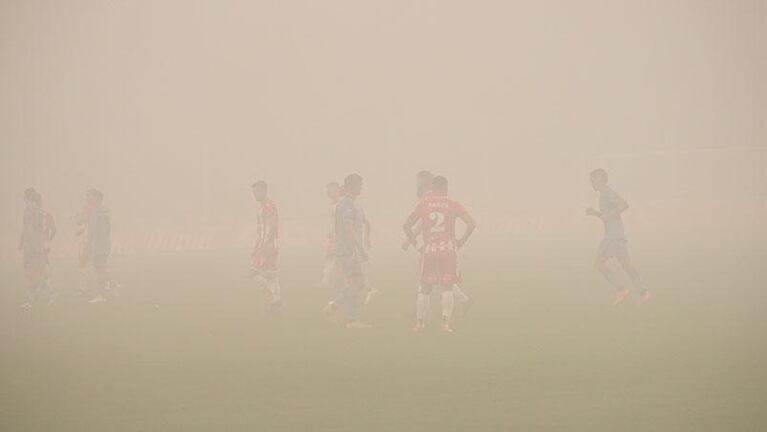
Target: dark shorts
(613, 248)
(349, 266)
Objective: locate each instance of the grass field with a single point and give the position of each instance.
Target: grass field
(188, 347)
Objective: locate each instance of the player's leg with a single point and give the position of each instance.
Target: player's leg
(448, 304)
(102, 278)
(370, 291)
(636, 280)
(620, 292)
(422, 306)
(354, 293)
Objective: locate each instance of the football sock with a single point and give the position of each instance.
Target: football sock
(448, 303)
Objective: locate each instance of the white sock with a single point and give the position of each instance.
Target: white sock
(448, 303)
(274, 287)
(459, 294)
(422, 306)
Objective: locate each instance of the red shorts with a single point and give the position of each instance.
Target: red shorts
(439, 268)
(265, 259)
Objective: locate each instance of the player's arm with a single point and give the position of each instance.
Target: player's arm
(23, 230)
(271, 228)
(408, 226)
(416, 230)
(51, 227)
(471, 225)
(367, 242)
(351, 237)
(258, 241)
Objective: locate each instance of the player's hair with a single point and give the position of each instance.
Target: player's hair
(260, 184)
(96, 195)
(29, 193)
(332, 184)
(599, 172)
(353, 180)
(439, 184)
(425, 175)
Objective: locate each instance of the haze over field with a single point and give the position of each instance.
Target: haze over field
(174, 108)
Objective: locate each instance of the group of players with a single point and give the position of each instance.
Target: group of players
(430, 229)
(37, 233)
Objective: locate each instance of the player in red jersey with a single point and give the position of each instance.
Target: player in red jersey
(266, 250)
(439, 253)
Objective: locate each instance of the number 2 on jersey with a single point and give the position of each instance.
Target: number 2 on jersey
(438, 221)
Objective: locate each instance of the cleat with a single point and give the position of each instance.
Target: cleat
(620, 297)
(98, 299)
(330, 310)
(419, 327)
(357, 325)
(645, 298)
(446, 328)
(372, 293)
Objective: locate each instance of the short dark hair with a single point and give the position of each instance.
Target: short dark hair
(353, 180)
(425, 175)
(439, 184)
(96, 194)
(29, 193)
(260, 184)
(599, 172)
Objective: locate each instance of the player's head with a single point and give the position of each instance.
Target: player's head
(423, 182)
(29, 195)
(598, 179)
(259, 190)
(353, 185)
(333, 190)
(94, 197)
(439, 185)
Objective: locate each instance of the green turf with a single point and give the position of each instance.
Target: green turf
(189, 348)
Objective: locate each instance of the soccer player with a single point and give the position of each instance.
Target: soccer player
(333, 192)
(613, 245)
(37, 231)
(439, 254)
(98, 245)
(266, 248)
(424, 181)
(350, 254)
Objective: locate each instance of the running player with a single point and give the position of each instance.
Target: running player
(613, 245)
(439, 254)
(350, 254)
(98, 245)
(266, 248)
(37, 232)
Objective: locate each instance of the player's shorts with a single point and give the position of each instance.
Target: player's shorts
(613, 248)
(349, 266)
(265, 260)
(439, 268)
